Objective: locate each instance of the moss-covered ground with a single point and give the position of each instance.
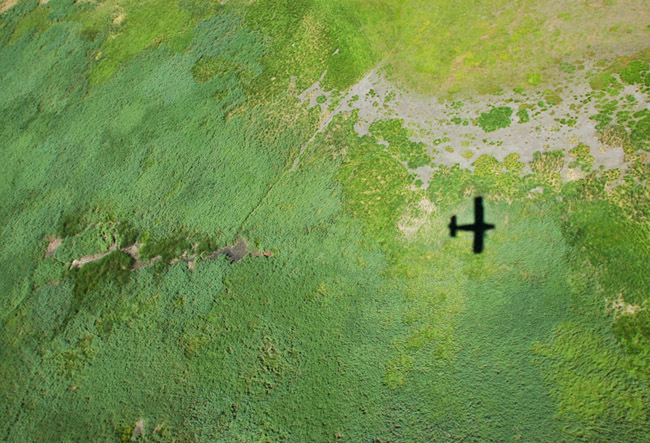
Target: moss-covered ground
(171, 128)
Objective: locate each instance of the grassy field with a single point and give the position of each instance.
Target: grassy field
(452, 46)
(171, 127)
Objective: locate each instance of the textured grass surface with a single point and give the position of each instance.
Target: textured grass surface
(174, 125)
(461, 45)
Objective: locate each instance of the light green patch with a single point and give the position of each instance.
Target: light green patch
(523, 115)
(591, 386)
(148, 23)
(547, 167)
(605, 82)
(513, 164)
(567, 67)
(36, 21)
(552, 97)
(583, 158)
(534, 79)
(393, 132)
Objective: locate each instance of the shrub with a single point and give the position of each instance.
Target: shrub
(496, 118)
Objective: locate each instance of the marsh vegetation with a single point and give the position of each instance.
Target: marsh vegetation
(151, 134)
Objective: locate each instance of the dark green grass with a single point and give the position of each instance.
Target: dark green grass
(496, 118)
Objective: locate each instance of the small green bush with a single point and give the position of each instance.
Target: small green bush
(523, 116)
(583, 158)
(496, 118)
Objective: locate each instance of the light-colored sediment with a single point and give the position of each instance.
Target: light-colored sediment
(429, 121)
(6, 5)
(52, 246)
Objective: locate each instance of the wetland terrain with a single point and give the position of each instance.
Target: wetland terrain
(228, 220)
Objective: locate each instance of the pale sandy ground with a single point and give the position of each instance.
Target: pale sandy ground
(428, 119)
(52, 245)
(6, 5)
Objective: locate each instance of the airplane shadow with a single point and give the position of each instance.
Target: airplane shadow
(479, 227)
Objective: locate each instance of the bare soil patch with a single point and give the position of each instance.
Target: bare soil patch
(52, 246)
(7, 4)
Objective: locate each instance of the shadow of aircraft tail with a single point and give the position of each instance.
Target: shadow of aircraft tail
(453, 227)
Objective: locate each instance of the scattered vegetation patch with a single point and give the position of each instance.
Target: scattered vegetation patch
(513, 164)
(523, 115)
(616, 136)
(640, 129)
(377, 195)
(582, 157)
(496, 118)
(567, 67)
(392, 131)
(552, 97)
(606, 82)
(547, 166)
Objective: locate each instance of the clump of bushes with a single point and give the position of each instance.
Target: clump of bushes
(583, 158)
(126, 234)
(523, 116)
(496, 118)
(115, 266)
(167, 248)
(635, 72)
(605, 82)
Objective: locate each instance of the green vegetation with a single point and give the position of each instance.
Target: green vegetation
(137, 130)
(496, 118)
(567, 67)
(583, 158)
(534, 79)
(115, 266)
(635, 72)
(552, 97)
(523, 115)
(468, 154)
(605, 82)
(392, 132)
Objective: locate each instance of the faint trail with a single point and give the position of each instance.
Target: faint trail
(343, 106)
(322, 126)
